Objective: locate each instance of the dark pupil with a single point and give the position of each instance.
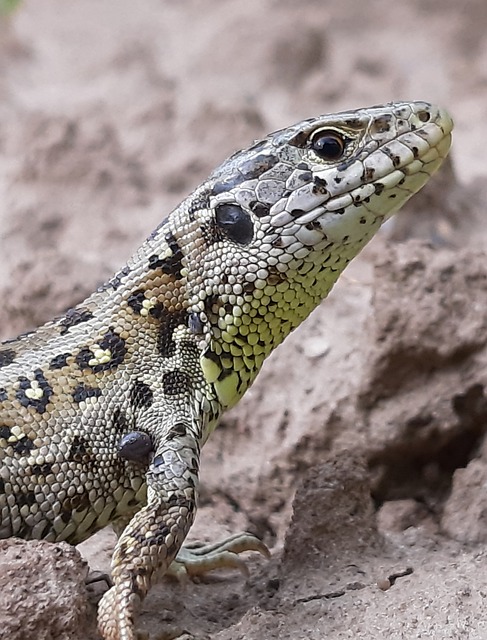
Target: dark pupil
(235, 222)
(329, 146)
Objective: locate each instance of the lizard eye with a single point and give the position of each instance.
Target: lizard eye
(235, 222)
(328, 144)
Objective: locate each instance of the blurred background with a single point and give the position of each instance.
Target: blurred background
(111, 112)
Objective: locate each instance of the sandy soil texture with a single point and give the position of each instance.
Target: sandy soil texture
(360, 453)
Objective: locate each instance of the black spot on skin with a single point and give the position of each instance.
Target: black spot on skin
(302, 166)
(157, 311)
(135, 300)
(382, 124)
(296, 213)
(7, 356)
(169, 322)
(116, 281)
(211, 355)
(248, 287)
(320, 182)
(225, 373)
(141, 395)
(119, 421)
(135, 447)
(337, 179)
(319, 187)
(2, 485)
(3, 394)
(155, 262)
(175, 383)
(5, 432)
(82, 392)
(83, 358)
(179, 430)
(25, 499)
(314, 225)
(23, 446)
(235, 222)
(79, 450)
(362, 220)
(81, 501)
(39, 404)
(415, 151)
(275, 277)
(368, 174)
(211, 305)
(111, 341)
(74, 317)
(172, 265)
(41, 469)
(259, 209)
(339, 212)
(59, 361)
(378, 188)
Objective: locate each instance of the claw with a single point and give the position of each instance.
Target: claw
(196, 559)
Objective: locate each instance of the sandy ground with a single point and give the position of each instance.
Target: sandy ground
(372, 416)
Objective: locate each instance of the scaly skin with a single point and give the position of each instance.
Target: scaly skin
(103, 412)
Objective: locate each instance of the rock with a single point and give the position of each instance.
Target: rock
(42, 592)
(465, 513)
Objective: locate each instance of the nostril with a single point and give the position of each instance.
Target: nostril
(424, 116)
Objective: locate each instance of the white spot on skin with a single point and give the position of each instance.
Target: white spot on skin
(34, 392)
(147, 305)
(100, 356)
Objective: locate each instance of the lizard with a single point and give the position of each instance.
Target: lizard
(103, 411)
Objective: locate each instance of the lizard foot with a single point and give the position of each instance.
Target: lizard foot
(197, 559)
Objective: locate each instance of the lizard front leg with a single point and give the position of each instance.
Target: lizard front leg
(153, 537)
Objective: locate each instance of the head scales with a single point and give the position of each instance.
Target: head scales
(267, 235)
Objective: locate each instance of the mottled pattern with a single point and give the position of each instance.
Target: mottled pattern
(103, 412)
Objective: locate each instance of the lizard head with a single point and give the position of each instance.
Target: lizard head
(264, 239)
(291, 211)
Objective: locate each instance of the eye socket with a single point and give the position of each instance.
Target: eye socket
(328, 144)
